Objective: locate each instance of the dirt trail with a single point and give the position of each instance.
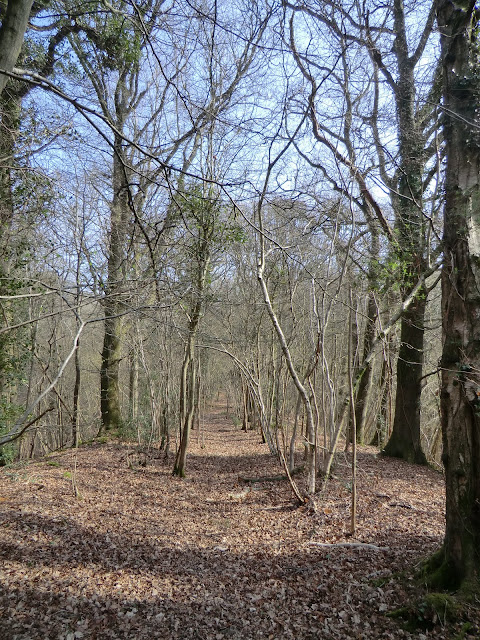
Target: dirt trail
(140, 554)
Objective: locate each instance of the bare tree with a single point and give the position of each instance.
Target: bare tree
(367, 54)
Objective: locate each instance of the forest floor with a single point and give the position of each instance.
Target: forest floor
(140, 554)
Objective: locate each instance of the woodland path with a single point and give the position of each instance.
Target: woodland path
(140, 554)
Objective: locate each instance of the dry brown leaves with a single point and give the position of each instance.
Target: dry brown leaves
(140, 554)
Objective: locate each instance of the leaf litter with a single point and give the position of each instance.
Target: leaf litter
(95, 546)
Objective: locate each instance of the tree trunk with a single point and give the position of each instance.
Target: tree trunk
(12, 32)
(460, 394)
(76, 398)
(10, 108)
(189, 379)
(133, 384)
(365, 384)
(405, 439)
(112, 343)
(245, 393)
(383, 420)
(310, 434)
(187, 412)
(409, 250)
(363, 391)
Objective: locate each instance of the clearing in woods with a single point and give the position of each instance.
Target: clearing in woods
(141, 554)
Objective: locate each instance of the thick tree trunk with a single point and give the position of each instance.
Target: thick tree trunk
(12, 32)
(460, 395)
(109, 375)
(410, 252)
(405, 439)
(113, 337)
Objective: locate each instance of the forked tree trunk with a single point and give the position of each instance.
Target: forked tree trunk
(460, 395)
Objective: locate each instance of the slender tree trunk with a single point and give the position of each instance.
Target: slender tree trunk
(133, 384)
(136, 352)
(189, 378)
(76, 397)
(245, 393)
(310, 425)
(383, 420)
(9, 130)
(187, 391)
(460, 394)
(364, 387)
(291, 453)
(363, 391)
(351, 344)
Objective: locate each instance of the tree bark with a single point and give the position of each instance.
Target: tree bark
(363, 392)
(187, 408)
(12, 32)
(113, 338)
(9, 131)
(204, 215)
(460, 394)
(405, 439)
(365, 384)
(409, 249)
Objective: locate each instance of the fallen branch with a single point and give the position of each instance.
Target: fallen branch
(353, 545)
(404, 505)
(278, 478)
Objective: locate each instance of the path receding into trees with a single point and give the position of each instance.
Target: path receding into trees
(140, 554)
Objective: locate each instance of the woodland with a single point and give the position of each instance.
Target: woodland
(240, 319)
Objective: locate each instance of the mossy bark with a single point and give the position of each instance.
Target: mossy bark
(409, 252)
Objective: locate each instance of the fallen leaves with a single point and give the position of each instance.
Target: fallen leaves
(143, 555)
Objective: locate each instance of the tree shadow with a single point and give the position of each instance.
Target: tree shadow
(65, 578)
